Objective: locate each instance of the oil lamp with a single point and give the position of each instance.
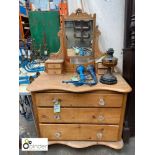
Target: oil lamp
(109, 61)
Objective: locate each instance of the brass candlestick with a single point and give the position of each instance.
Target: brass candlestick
(109, 61)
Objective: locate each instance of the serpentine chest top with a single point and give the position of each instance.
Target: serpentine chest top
(79, 116)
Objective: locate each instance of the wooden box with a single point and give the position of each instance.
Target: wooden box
(101, 69)
(54, 67)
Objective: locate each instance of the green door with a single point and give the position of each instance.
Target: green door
(44, 27)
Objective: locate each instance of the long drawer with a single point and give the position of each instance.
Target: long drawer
(80, 115)
(79, 100)
(79, 132)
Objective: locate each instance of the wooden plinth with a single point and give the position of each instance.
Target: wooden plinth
(83, 144)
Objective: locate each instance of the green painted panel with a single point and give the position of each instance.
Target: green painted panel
(44, 27)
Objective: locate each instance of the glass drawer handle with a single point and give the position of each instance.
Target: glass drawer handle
(101, 101)
(56, 100)
(99, 135)
(57, 117)
(100, 118)
(57, 134)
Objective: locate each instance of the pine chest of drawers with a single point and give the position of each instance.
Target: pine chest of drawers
(87, 116)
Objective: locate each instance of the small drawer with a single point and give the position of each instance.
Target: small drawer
(54, 71)
(79, 100)
(100, 65)
(79, 132)
(101, 71)
(54, 65)
(80, 115)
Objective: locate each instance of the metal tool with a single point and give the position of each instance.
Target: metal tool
(26, 65)
(82, 51)
(83, 77)
(91, 71)
(80, 70)
(29, 66)
(27, 79)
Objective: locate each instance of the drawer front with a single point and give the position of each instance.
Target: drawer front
(80, 115)
(101, 71)
(54, 65)
(100, 65)
(54, 71)
(79, 100)
(79, 132)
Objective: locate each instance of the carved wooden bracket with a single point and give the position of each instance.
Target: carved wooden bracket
(78, 15)
(97, 51)
(60, 53)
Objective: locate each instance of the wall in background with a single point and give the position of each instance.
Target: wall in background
(41, 4)
(110, 19)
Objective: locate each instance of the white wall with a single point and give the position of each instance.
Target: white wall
(41, 4)
(110, 19)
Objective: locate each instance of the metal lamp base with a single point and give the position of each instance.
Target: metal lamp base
(108, 79)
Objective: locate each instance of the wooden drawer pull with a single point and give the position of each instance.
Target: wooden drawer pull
(101, 102)
(57, 135)
(57, 117)
(100, 118)
(99, 135)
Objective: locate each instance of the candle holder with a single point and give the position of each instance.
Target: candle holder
(109, 61)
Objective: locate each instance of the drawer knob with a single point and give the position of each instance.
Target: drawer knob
(57, 117)
(99, 135)
(56, 100)
(57, 135)
(101, 101)
(100, 118)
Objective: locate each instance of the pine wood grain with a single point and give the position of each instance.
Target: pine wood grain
(54, 82)
(80, 115)
(122, 116)
(83, 144)
(36, 122)
(79, 100)
(79, 132)
(55, 71)
(100, 65)
(54, 65)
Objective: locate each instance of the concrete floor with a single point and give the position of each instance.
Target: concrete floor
(27, 128)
